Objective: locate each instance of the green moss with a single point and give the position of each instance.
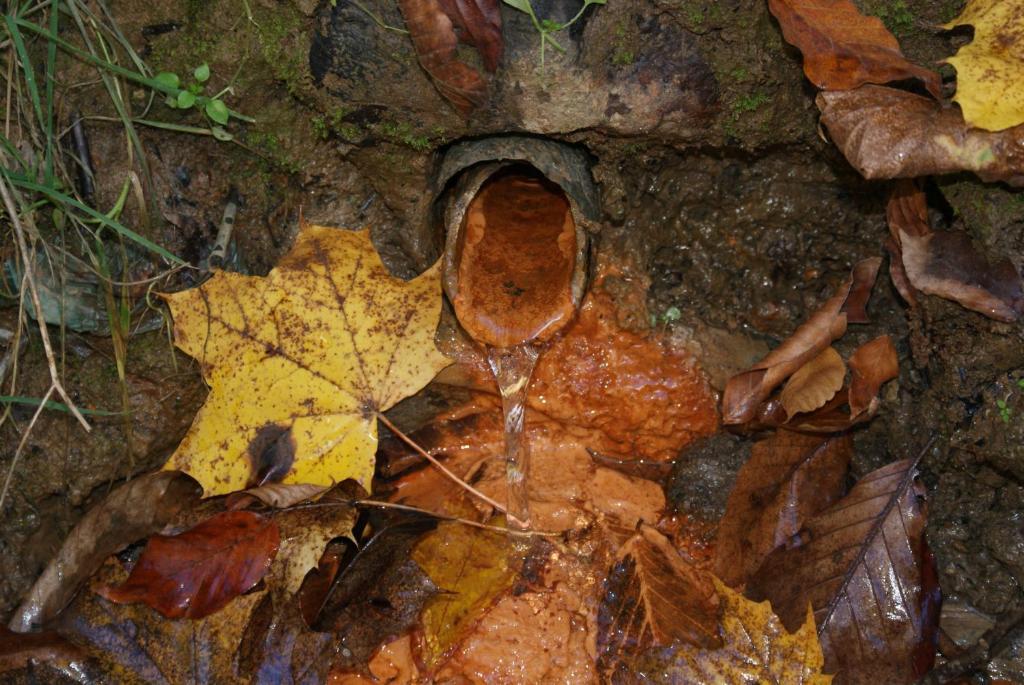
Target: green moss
(895, 14)
(622, 53)
(403, 134)
(749, 103)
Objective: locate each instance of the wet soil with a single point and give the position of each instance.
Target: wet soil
(726, 222)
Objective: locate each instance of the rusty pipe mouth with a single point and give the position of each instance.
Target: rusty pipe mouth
(516, 215)
(515, 256)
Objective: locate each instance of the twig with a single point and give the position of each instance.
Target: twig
(444, 469)
(29, 266)
(24, 439)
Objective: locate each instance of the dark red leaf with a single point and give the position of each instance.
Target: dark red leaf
(194, 574)
(480, 24)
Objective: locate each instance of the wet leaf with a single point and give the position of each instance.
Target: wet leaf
(653, 598)
(906, 211)
(30, 650)
(433, 36)
(129, 513)
(195, 573)
(889, 133)
(305, 532)
(990, 69)
(135, 645)
(871, 365)
(300, 362)
(471, 567)
(859, 564)
(756, 649)
(480, 24)
(789, 478)
(378, 597)
(276, 495)
(745, 392)
(947, 264)
(814, 383)
(843, 48)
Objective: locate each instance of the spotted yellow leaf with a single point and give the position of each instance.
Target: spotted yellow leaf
(300, 362)
(756, 649)
(990, 69)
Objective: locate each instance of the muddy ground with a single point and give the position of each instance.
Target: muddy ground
(730, 217)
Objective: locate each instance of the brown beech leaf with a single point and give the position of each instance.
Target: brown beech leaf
(194, 574)
(889, 133)
(871, 365)
(276, 495)
(29, 651)
(907, 212)
(131, 512)
(859, 564)
(814, 383)
(789, 478)
(745, 392)
(433, 36)
(480, 24)
(843, 48)
(946, 264)
(653, 597)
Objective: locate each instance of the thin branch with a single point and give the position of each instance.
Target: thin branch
(444, 469)
(21, 444)
(29, 265)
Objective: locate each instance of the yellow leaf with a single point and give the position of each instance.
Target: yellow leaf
(990, 69)
(814, 383)
(470, 566)
(299, 363)
(757, 649)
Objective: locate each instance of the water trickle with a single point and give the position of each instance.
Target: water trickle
(512, 367)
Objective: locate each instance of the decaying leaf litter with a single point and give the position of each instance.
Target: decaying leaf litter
(802, 388)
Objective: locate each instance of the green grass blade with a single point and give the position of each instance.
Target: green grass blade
(51, 69)
(57, 406)
(26, 65)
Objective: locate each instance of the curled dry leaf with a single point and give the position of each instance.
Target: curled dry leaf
(871, 365)
(907, 212)
(889, 133)
(653, 598)
(859, 565)
(129, 513)
(317, 348)
(814, 383)
(194, 574)
(480, 24)
(756, 649)
(789, 478)
(843, 48)
(276, 495)
(471, 567)
(433, 36)
(990, 69)
(745, 392)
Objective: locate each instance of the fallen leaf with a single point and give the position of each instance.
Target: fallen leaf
(906, 211)
(858, 564)
(305, 532)
(129, 513)
(480, 23)
(889, 133)
(42, 651)
(378, 597)
(756, 649)
(471, 567)
(196, 573)
(392, 663)
(871, 365)
(990, 69)
(134, 645)
(789, 478)
(301, 362)
(276, 495)
(745, 392)
(434, 38)
(946, 264)
(843, 48)
(814, 383)
(653, 597)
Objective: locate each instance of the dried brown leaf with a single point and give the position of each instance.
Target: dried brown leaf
(871, 365)
(814, 383)
(433, 36)
(889, 133)
(276, 495)
(859, 564)
(131, 512)
(480, 24)
(653, 598)
(843, 48)
(745, 392)
(789, 478)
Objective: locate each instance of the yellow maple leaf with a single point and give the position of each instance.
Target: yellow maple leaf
(756, 649)
(300, 362)
(990, 69)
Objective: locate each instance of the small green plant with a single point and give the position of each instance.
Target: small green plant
(546, 27)
(1004, 410)
(668, 316)
(192, 96)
